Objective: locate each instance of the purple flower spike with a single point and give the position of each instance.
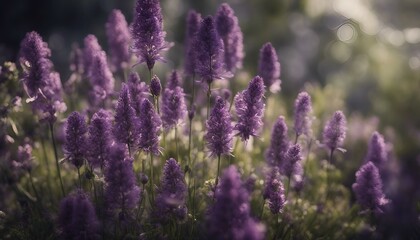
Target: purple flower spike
(174, 80)
(24, 158)
(368, 188)
(91, 48)
(121, 192)
(101, 79)
(249, 105)
(293, 158)
(173, 106)
(377, 150)
(193, 24)
(138, 91)
(228, 29)
(77, 218)
(118, 39)
(147, 32)
(99, 138)
(279, 143)
(126, 126)
(274, 191)
(209, 50)
(155, 86)
(75, 145)
(219, 129)
(269, 67)
(252, 230)
(335, 131)
(149, 128)
(303, 107)
(170, 200)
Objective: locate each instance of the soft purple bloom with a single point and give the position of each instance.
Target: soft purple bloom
(174, 80)
(274, 191)
(121, 192)
(230, 32)
(149, 128)
(252, 230)
(99, 138)
(335, 131)
(193, 24)
(377, 150)
(173, 106)
(172, 193)
(298, 177)
(118, 39)
(155, 86)
(209, 50)
(249, 105)
(138, 91)
(77, 218)
(249, 183)
(279, 143)
(75, 146)
(101, 79)
(219, 129)
(147, 32)
(91, 48)
(293, 157)
(76, 59)
(303, 107)
(24, 158)
(368, 188)
(126, 122)
(269, 67)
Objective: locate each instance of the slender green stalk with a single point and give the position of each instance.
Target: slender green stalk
(48, 168)
(33, 186)
(218, 171)
(262, 210)
(176, 144)
(326, 171)
(151, 178)
(56, 159)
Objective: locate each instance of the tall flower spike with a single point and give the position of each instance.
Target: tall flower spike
(155, 86)
(147, 32)
(77, 218)
(170, 200)
(377, 150)
(126, 123)
(173, 106)
(149, 128)
(269, 67)
(75, 145)
(99, 139)
(303, 107)
(193, 24)
(249, 105)
(279, 143)
(209, 50)
(292, 160)
(138, 91)
(229, 30)
(368, 188)
(219, 129)
(174, 80)
(91, 48)
(335, 131)
(101, 79)
(274, 191)
(121, 192)
(118, 39)
(24, 158)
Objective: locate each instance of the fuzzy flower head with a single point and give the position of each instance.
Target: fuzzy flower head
(155, 86)
(118, 39)
(249, 105)
(91, 48)
(75, 145)
(335, 131)
(101, 79)
(293, 158)
(99, 138)
(229, 31)
(303, 108)
(274, 191)
(24, 158)
(377, 150)
(170, 201)
(138, 91)
(149, 128)
(174, 80)
(174, 108)
(126, 123)
(279, 143)
(193, 24)
(147, 32)
(77, 218)
(269, 67)
(219, 129)
(368, 188)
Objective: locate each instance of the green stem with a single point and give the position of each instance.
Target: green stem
(33, 186)
(326, 171)
(218, 171)
(262, 209)
(48, 168)
(176, 145)
(151, 178)
(56, 159)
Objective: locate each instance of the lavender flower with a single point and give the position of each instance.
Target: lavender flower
(249, 107)
(147, 32)
(91, 48)
(252, 230)
(228, 29)
(99, 139)
(75, 145)
(118, 39)
(335, 131)
(170, 201)
(101, 78)
(298, 177)
(274, 191)
(303, 107)
(174, 80)
(24, 158)
(77, 218)
(138, 91)
(126, 123)
(173, 105)
(279, 143)
(368, 188)
(76, 59)
(149, 128)
(377, 150)
(219, 129)
(193, 24)
(155, 86)
(292, 159)
(269, 67)
(209, 50)
(121, 192)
